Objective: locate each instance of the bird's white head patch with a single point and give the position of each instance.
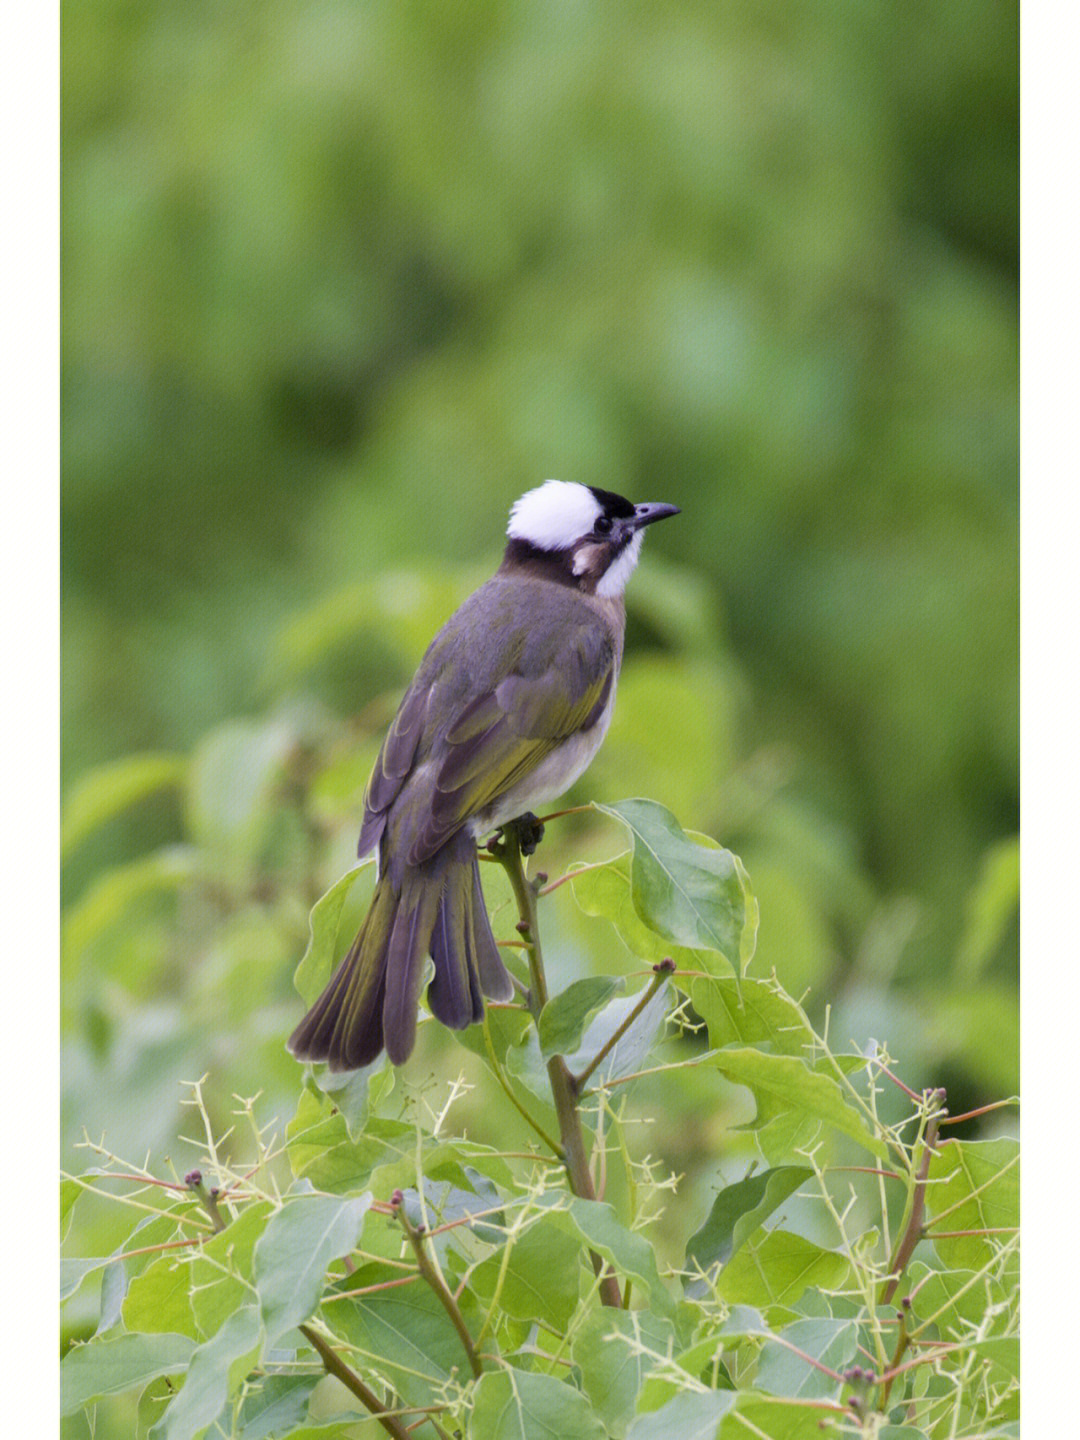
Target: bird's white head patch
(554, 515)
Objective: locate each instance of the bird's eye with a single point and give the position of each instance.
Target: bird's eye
(603, 525)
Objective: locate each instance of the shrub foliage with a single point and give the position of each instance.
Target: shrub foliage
(483, 1248)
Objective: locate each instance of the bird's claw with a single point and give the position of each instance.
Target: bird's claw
(530, 832)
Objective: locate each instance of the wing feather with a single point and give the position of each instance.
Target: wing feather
(505, 735)
(500, 718)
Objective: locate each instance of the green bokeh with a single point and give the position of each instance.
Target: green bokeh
(342, 280)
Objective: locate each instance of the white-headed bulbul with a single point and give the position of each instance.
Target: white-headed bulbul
(508, 708)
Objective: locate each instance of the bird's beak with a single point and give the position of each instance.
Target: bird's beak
(650, 513)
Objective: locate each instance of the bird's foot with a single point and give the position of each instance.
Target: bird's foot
(530, 831)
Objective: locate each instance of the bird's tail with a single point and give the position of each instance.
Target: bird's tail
(434, 909)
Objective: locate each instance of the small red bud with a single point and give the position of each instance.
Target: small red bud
(193, 1178)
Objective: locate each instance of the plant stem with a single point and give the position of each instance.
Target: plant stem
(207, 1199)
(902, 1342)
(507, 850)
(433, 1275)
(913, 1231)
(332, 1361)
(334, 1365)
(660, 974)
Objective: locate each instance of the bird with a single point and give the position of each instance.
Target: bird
(509, 706)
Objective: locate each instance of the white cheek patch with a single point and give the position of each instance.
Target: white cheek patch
(553, 516)
(619, 571)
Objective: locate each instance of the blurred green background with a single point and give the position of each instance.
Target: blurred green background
(341, 280)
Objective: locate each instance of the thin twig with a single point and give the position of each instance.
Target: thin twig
(957, 1234)
(334, 1365)
(832, 1374)
(332, 1361)
(913, 1232)
(434, 1277)
(507, 849)
(903, 1340)
(572, 875)
(863, 1170)
(558, 814)
(982, 1110)
(371, 1289)
(971, 1194)
(660, 974)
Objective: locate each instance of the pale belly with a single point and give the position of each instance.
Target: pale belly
(551, 778)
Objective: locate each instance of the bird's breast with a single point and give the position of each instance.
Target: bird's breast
(551, 778)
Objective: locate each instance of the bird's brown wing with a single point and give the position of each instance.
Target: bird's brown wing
(492, 738)
(394, 762)
(502, 736)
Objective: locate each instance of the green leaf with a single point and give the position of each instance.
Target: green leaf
(700, 1363)
(221, 1276)
(445, 1203)
(685, 1371)
(109, 1367)
(955, 1299)
(776, 1268)
(752, 1012)
(507, 1026)
(292, 1255)
(74, 1271)
(321, 1151)
(687, 892)
(755, 1414)
(159, 1300)
(539, 1275)
(605, 892)
(1003, 1352)
(102, 793)
(981, 1178)
(609, 1349)
(830, 1342)
(518, 1405)
(631, 1050)
(113, 1288)
(562, 1020)
(276, 1406)
(348, 1091)
(737, 1212)
(215, 1373)
(192, 1291)
(317, 964)
(783, 1083)
(597, 1224)
(690, 1416)
(70, 1190)
(407, 1334)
